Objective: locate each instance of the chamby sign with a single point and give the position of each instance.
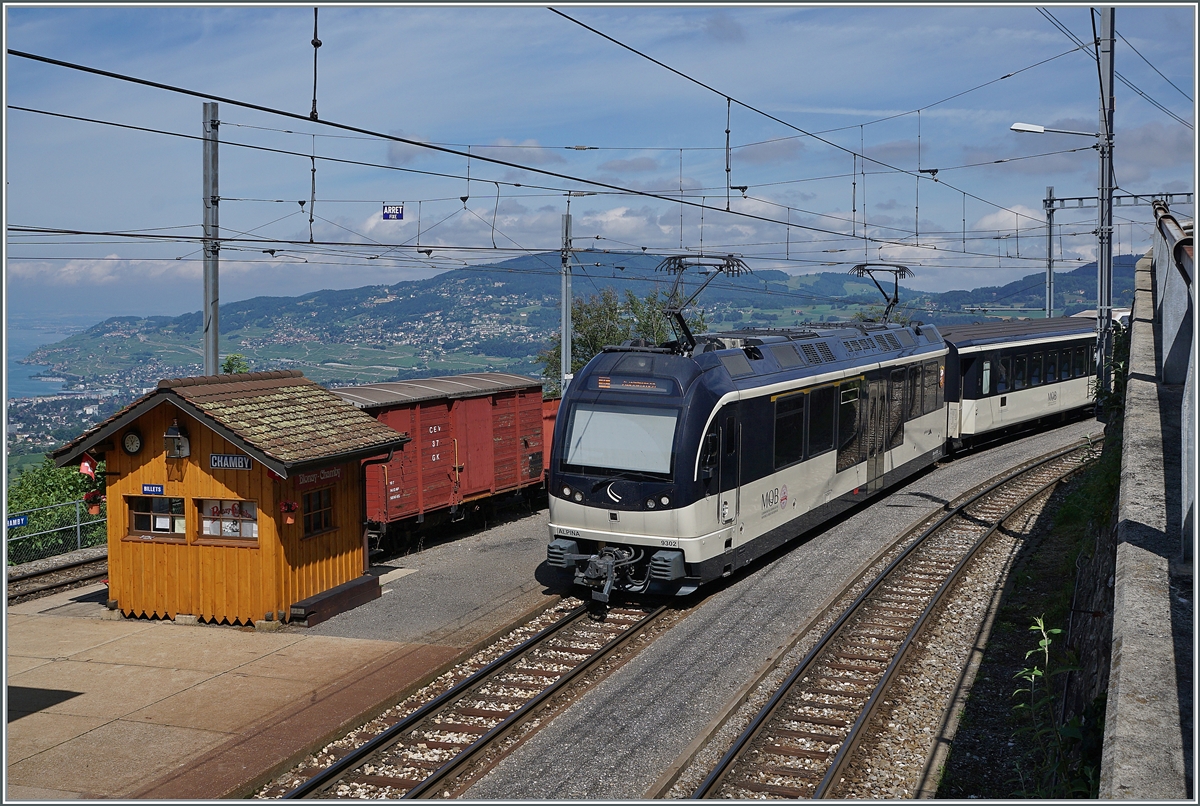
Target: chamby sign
(230, 461)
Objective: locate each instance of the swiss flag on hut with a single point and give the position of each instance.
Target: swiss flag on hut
(88, 466)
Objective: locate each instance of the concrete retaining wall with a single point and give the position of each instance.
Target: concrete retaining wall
(1144, 744)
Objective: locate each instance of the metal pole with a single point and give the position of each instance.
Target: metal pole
(211, 245)
(78, 526)
(1104, 224)
(566, 300)
(1049, 205)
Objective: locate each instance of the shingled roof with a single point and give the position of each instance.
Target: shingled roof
(285, 420)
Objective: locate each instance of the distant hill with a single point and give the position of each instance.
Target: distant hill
(498, 317)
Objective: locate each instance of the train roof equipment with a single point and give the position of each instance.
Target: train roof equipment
(896, 270)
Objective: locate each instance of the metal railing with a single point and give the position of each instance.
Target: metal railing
(52, 530)
(1174, 272)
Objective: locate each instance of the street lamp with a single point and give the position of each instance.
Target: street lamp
(1104, 245)
(1033, 128)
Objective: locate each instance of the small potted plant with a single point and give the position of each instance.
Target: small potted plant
(93, 499)
(289, 509)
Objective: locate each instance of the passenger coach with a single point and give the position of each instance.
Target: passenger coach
(1003, 374)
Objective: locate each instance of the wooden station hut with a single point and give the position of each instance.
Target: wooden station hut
(233, 498)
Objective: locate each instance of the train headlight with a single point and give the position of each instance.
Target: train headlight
(650, 504)
(566, 492)
(577, 496)
(665, 501)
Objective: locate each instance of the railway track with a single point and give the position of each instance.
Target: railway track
(437, 750)
(43, 583)
(801, 741)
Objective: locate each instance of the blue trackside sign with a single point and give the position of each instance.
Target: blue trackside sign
(393, 212)
(19, 520)
(152, 489)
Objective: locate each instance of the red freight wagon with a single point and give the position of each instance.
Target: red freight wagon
(473, 436)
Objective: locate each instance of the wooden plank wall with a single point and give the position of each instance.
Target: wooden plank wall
(219, 579)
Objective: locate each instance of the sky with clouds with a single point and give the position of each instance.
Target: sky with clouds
(812, 89)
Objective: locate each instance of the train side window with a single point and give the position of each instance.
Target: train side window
(822, 409)
(933, 375)
(1091, 361)
(710, 448)
(1020, 371)
(1081, 361)
(730, 435)
(985, 379)
(1052, 366)
(1035, 370)
(915, 390)
(849, 451)
(1003, 374)
(789, 430)
(895, 432)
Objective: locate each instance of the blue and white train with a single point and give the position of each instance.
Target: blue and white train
(671, 468)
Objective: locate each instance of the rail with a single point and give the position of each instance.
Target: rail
(871, 613)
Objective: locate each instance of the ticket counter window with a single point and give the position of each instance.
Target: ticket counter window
(233, 520)
(153, 514)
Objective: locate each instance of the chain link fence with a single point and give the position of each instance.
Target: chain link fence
(36, 534)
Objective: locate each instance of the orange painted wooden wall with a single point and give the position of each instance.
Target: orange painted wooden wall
(220, 579)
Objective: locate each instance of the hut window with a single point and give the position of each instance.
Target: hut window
(156, 514)
(229, 519)
(318, 511)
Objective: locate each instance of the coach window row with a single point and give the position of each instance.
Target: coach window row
(814, 421)
(1008, 372)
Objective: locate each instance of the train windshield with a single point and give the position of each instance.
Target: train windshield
(616, 437)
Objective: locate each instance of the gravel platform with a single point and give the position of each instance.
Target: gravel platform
(618, 739)
(496, 571)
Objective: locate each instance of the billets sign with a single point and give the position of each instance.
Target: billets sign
(229, 461)
(393, 212)
(315, 478)
(152, 489)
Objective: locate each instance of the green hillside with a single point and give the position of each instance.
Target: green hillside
(497, 318)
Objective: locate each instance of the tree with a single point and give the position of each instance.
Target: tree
(235, 364)
(51, 527)
(604, 319)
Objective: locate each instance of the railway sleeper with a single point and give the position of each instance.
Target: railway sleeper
(485, 713)
(383, 781)
(873, 658)
(796, 752)
(852, 667)
(790, 772)
(454, 727)
(856, 695)
(804, 734)
(774, 789)
(820, 720)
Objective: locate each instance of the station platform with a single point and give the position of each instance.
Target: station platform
(101, 706)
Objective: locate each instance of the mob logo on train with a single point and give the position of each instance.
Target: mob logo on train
(773, 498)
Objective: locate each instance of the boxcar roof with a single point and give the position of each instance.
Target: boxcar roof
(1020, 330)
(376, 395)
(281, 418)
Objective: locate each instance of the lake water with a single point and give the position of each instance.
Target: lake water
(20, 342)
